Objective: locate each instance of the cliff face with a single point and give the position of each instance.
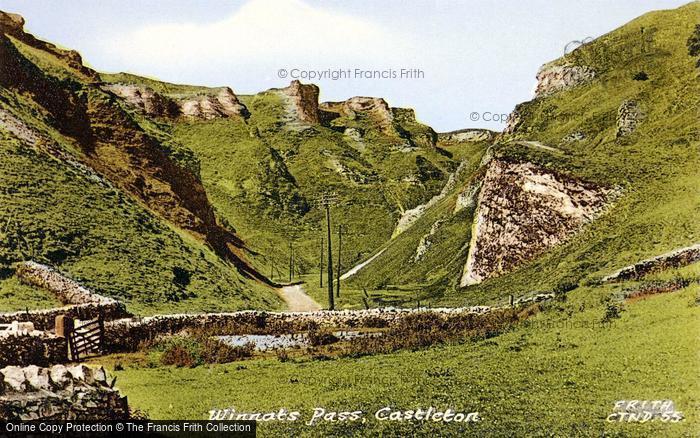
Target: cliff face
(304, 99)
(112, 142)
(553, 78)
(219, 104)
(522, 211)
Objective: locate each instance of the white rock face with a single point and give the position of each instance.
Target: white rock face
(468, 135)
(524, 210)
(467, 197)
(213, 106)
(553, 78)
(425, 241)
(629, 115)
(409, 217)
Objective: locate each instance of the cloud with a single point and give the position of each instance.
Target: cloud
(262, 34)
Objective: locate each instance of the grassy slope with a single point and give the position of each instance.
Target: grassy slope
(53, 213)
(260, 175)
(656, 166)
(560, 374)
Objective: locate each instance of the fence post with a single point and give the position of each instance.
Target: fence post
(101, 323)
(64, 326)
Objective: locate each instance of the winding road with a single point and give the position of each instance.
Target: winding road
(297, 300)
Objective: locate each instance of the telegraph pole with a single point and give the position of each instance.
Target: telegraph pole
(326, 200)
(291, 260)
(321, 265)
(340, 248)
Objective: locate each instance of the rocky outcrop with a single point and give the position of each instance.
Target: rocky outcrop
(673, 259)
(145, 100)
(409, 217)
(304, 99)
(426, 242)
(13, 24)
(554, 78)
(59, 393)
(513, 121)
(223, 104)
(467, 135)
(467, 197)
(524, 210)
(374, 108)
(573, 137)
(628, 117)
(205, 106)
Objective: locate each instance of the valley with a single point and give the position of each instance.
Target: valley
(536, 275)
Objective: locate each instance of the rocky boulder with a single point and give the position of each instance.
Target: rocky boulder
(524, 210)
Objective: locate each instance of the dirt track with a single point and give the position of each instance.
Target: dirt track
(297, 300)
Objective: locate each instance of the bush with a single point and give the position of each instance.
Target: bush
(422, 330)
(641, 76)
(192, 351)
(612, 311)
(321, 337)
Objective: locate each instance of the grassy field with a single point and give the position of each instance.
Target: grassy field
(559, 374)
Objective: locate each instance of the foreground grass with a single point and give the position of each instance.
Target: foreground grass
(559, 374)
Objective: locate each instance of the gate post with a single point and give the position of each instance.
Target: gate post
(64, 326)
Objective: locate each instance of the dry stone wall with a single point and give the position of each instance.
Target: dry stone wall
(127, 334)
(59, 393)
(674, 259)
(46, 318)
(36, 347)
(66, 290)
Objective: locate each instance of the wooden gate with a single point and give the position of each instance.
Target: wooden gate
(87, 339)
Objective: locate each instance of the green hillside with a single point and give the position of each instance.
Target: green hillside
(655, 166)
(57, 209)
(264, 176)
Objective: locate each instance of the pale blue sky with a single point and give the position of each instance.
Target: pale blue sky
(476, 56)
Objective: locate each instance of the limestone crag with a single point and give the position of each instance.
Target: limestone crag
(409, 217)
(304, 98)
(219, 103)
(628, 117)
(144, 99)
(13, 24)
(554, 78)
(513, 121)
(524, 210)
(426, 241)
(223, 104)
(467, 135)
